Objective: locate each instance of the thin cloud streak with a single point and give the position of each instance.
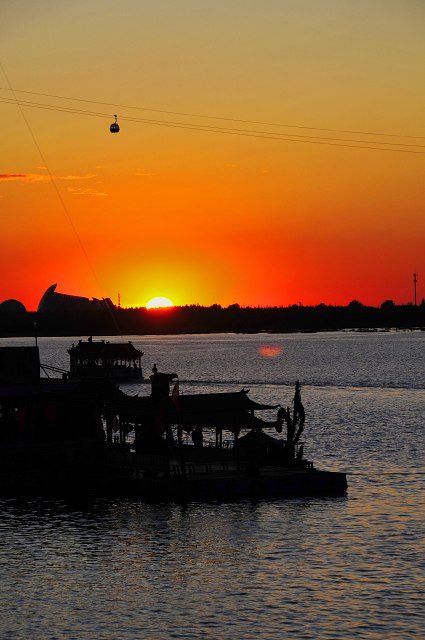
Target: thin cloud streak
(39, 177)
(79, 191)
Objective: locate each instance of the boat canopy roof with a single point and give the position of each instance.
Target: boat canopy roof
(232, 400)
(105, 350)
(209, 410)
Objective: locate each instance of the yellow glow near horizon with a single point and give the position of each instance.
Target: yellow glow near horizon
(159, 302)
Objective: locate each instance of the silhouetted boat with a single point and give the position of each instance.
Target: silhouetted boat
(100, 359)
(251, 464)
(61, 436)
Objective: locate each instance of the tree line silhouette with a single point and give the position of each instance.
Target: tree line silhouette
(214, 319)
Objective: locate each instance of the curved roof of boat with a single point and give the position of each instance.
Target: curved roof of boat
(104, 349)
(231, 400)
(208, 410)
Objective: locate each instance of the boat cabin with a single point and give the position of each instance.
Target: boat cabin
(46, 410)
(102, 359)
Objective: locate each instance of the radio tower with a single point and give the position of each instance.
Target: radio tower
(415, 282)
(119, 300)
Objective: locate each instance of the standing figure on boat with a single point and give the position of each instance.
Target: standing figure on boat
(198, 437)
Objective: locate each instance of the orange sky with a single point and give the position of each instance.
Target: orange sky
(201, 216)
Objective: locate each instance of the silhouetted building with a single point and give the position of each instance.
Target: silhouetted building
(12, 307)
(53, 302)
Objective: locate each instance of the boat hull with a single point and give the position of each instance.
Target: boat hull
(77, 468)
(167, 479)
(234, 487)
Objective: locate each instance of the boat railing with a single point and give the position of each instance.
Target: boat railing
(227, 444)
(199, 468)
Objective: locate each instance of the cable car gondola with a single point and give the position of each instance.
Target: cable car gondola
(114, 128)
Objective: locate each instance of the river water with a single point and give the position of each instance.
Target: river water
(312, 568)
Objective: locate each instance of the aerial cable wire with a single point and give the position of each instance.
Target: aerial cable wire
(245, 132)
(222, 118)
(376, 145)
(274, 135)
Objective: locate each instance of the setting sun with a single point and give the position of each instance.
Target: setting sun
(159, 302)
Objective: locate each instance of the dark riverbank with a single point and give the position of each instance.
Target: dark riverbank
(214, 319)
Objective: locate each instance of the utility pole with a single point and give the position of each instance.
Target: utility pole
(415, 282)
(119, 300)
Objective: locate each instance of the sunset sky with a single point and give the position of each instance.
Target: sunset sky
(271, 152)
